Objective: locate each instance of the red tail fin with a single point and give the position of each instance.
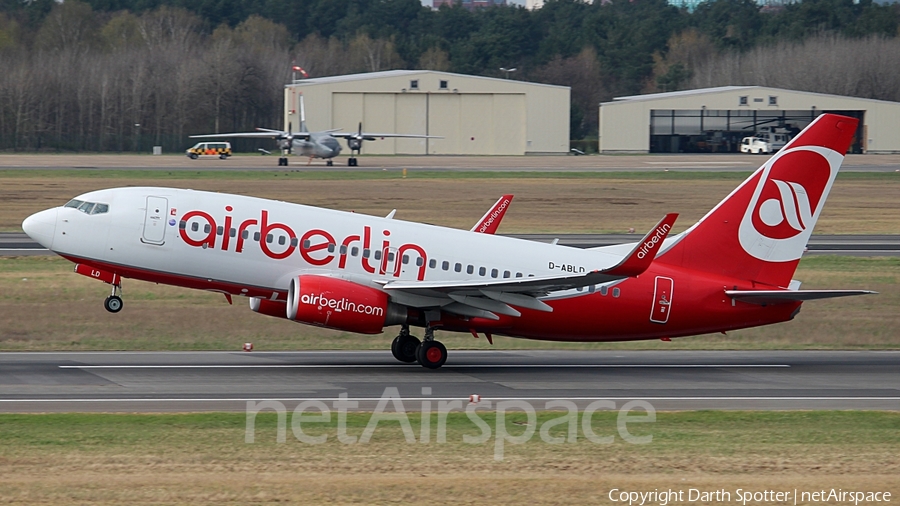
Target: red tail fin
(759, 232)
(491, 220)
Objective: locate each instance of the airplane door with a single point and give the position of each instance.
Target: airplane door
(662, 300)
(155, 221)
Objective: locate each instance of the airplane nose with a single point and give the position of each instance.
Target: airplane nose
(41, 227)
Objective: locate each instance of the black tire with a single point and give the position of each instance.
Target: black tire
(404, 348)
(223, 157)
(193, 156)
(113, 303)
(329, 163)
(431, 354)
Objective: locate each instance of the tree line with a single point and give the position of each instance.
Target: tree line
(124, 75)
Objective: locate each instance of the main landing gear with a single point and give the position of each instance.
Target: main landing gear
(329, 163)
(351, 162)
(283, 161)
(429, 353)
(113, 303)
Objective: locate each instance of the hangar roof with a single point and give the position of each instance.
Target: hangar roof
(401, 73)
(725, 89)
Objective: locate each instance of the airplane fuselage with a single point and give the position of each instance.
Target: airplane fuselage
(253, 247)
(319, 145)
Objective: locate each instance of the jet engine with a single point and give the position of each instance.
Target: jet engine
(268, 307)
(342, 305)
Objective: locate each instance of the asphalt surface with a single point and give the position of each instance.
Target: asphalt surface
(673, 380)
(595, 163)
(18, 244)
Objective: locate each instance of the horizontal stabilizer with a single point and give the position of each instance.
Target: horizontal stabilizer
(765, 297)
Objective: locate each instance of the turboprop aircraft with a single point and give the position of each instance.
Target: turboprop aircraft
(358, 273)
(322, 144)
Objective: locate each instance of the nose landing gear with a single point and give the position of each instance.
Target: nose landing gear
(114, 303)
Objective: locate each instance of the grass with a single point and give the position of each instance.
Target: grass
(45, 306)
(203, 459)
(565, 202)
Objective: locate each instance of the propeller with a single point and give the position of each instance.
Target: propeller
(354, 142)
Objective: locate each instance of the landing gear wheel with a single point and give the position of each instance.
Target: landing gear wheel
(431, 354)
(282, 162)
(351, 162)
(329, 163)
(113, 303)
(404, 348)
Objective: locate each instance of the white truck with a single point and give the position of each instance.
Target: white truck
(764, 142)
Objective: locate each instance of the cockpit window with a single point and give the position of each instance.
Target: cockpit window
(88, 207)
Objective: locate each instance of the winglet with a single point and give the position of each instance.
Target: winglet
(645, 252)
(489, 223)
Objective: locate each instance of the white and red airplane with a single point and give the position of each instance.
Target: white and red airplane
(360, 273)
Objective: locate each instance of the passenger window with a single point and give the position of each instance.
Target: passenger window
(518, 274)
(470, 269)
(445, 265)
(195, 226)
(615, 292)
(420, 262)
(457, 267)
(354, 251)
(591, 289)
(603, 290)
(270, 238)
(378, 254)
(281, 240)
(245, 234)
(220, 230)
(330, 248)
(494, 273)
(182, 224)
(482, 271)
(405, 259)
(390, 256)
(207, 228)
(432, 263)
(343, 249)
(232, 232)
(295, 242)
(256, 236)
(306, 244)
(366, 253)
(505, 274)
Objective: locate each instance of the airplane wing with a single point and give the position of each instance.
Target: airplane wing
(369, 136)
(489, 223)
(486, 298)
(262, 134)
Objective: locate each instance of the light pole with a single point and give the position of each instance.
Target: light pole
(502, 69)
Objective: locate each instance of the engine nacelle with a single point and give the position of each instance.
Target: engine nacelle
(354, 144)
(342, 305)
(268, 307)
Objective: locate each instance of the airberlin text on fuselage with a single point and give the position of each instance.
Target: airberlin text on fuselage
(313, 245)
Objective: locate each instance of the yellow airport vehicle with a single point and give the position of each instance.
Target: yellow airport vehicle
(220, 149)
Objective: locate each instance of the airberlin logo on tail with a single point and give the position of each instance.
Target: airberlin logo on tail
(788, 198)
(493, 216)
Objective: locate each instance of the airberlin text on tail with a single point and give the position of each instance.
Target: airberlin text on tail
(759, 232)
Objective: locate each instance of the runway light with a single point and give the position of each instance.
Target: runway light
(474, 398)
(248, 346)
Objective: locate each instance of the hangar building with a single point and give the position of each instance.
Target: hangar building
(715, 119)
(474, 115)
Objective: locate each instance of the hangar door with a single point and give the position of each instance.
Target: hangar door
(471, 124)
(383, 113)
(477, 124)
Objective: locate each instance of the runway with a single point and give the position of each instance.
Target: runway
(669, 380)
(18, 244)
